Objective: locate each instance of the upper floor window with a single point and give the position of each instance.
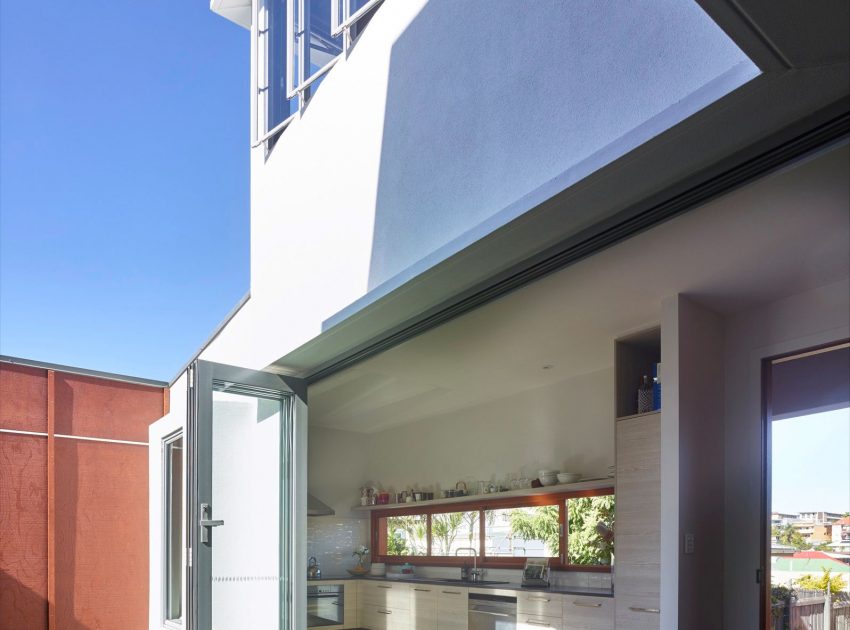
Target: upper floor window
(575, 530)
(298, 42)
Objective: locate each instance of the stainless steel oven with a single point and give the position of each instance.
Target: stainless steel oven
(325, 605)
(492, 612)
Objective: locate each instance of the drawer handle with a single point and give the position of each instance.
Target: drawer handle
(645, 610)
(382, 586)
(542, 624)
(423, 590)
(587, 605)
(385, 612)
(452, 593)
(539, 599)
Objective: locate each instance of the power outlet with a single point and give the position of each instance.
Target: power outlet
(689, 543)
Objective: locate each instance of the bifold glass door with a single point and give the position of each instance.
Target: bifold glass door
(247, 427)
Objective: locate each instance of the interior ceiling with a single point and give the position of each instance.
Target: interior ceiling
(781, 235)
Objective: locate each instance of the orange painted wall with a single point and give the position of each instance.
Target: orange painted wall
(99, 496)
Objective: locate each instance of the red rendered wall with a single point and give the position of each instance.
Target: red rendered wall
(95, 571)
(23, 532)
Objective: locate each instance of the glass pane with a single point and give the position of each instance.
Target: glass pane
(323, 47)
(174, 528)
(455, 534)
(247, 480)
(590, 530)
(279, 107)
(522, 532)
(405, 535)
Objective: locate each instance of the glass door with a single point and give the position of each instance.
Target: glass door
(249, 505)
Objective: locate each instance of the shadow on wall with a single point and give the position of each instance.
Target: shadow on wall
(488, 103)
(20, 607)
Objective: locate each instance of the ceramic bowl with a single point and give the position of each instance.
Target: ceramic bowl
(549, 481)
(568, 477)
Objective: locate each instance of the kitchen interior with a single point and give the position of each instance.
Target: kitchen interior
(563, 376)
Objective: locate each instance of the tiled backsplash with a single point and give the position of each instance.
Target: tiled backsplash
(332, 540)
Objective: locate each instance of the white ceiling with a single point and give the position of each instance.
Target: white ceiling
(781, 235)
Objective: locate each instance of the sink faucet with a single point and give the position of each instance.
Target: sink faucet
(465, 574)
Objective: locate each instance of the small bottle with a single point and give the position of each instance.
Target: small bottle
(644, 396)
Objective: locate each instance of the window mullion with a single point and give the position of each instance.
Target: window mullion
(562, 519)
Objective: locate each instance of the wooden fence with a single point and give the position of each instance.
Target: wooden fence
(807, 612)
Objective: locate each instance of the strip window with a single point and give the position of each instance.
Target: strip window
(298, 42)
(575, 530)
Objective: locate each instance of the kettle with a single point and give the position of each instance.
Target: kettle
(313, 570)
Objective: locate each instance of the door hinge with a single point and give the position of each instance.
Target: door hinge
(759, 576)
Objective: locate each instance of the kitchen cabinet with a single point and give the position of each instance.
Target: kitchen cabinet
(452, 608)
(588, 613)
(535, 610)
(638, 540)
(384, 605)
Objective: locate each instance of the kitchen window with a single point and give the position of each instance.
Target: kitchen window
(575, 530)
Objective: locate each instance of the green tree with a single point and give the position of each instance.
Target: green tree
(586, 544)
(789, 535)
(397, 544)
(835, 584)
(445, 528)
(412, 530)
(539, 523)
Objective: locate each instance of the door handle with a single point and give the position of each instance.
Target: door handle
(641, 609)
(207, 523)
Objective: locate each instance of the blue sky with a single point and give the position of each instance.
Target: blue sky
(811, 463)
(124, 148)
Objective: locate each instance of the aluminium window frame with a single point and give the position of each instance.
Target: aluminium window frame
(481, 505)
(167, 518)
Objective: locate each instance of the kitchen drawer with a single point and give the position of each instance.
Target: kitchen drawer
(386, 594)
(538, 622)
(588, 613)
(384, 618)
(539, 604)
(637, 613)
(452, 600)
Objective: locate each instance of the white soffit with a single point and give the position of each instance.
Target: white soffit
(238, 11)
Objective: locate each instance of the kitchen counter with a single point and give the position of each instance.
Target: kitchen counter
(509, 586)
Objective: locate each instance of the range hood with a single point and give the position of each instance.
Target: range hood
(317, 508)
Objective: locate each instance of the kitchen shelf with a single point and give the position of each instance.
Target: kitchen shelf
(589, 484)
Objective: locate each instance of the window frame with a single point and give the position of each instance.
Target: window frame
(169, 518)
(482, 505)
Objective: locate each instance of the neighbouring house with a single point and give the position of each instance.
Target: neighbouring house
(74, 496)
(841, 535)
(786, 570)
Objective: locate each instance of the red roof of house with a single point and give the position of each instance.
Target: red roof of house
(843, 521)
(812, 554)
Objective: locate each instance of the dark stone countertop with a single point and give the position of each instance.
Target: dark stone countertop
(508, 586)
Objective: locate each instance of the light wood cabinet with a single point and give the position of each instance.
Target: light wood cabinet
(384, 605)
(452, 612)
(637, 569)
(588, 613)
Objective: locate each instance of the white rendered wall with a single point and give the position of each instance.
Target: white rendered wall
(800, 321)
(447, 121)
(568, 425)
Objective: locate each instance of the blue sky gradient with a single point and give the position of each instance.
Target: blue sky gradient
(124, 178)
(811, 463)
